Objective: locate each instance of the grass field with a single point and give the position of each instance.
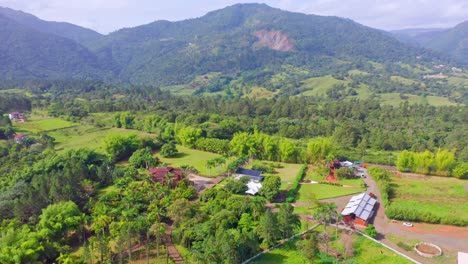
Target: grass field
(357, 72)
(365, 252)
(443, 197)
(195, 158)
(405, 243)
(287, 254)
(369, 252)
(36, 124)
(87, 136)
(287, 173)
(257, 92)
(405, 81)
(319, 85)
(394, 99)
(325, 191)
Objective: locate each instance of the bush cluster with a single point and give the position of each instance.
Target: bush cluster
(294, 191)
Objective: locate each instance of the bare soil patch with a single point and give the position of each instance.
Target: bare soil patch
(427, 249)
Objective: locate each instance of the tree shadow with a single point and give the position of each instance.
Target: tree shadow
(281, 196)
(179, 155)
(271, 258)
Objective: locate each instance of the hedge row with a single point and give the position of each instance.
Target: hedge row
(292, 194)
(412, 211)
(382, 177)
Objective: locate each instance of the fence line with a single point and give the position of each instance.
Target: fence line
(280, 244)
(340, 227)
(376, 241)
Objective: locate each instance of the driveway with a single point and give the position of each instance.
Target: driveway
(449, 238)
(201, 183)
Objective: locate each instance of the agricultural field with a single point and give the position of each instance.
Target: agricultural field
(37, 124)
(325, 191)
(195, 158)
(442, 197)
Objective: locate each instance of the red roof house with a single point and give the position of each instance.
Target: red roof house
(18, 138)
(160, 174)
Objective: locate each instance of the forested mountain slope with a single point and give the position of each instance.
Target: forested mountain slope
(242, 50)
(247, 37)
(452, 41)
(27, 53)
(80, 34)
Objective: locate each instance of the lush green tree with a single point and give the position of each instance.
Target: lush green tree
(320, 148)
(461, 170)
(287, 220)
(288, 150)
(188, 136)
(169, 150)
(325, 213)
(370, 231)
(405, 161)
(59, 219)
(270, 187)
(243, 144)
(237, 186)
(120, 147)
(309, 246)
(344, 173)
(267, 229)
(143, 158)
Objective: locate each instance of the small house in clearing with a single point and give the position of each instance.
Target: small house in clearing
(161, 174)
(19, 138)
(359, 209)
(256, 179)
(17, 117)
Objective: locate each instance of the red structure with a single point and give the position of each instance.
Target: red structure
(333, 166)
(359, 209)
(160, 174)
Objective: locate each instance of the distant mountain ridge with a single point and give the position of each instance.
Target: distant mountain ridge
(63, 29)
(451, 41)
(249, 42)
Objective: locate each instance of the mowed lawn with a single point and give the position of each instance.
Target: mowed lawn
(36, 124)
(287, 253)
(325, 191)
(195, 158)
(287, 173)
(365, 252)
(87, 137)
(443, 196)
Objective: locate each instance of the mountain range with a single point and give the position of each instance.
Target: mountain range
(451, 41)
(245, 42)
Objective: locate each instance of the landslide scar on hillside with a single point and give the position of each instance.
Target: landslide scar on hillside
(275, 40)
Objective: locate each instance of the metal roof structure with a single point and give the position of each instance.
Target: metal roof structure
(253, 187)
(253, 174)
(361, 205)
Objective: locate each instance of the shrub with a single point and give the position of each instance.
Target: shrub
(291, 196)
(405, 246)
(370, 231)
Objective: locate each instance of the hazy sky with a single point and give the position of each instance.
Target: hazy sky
(109, 15)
